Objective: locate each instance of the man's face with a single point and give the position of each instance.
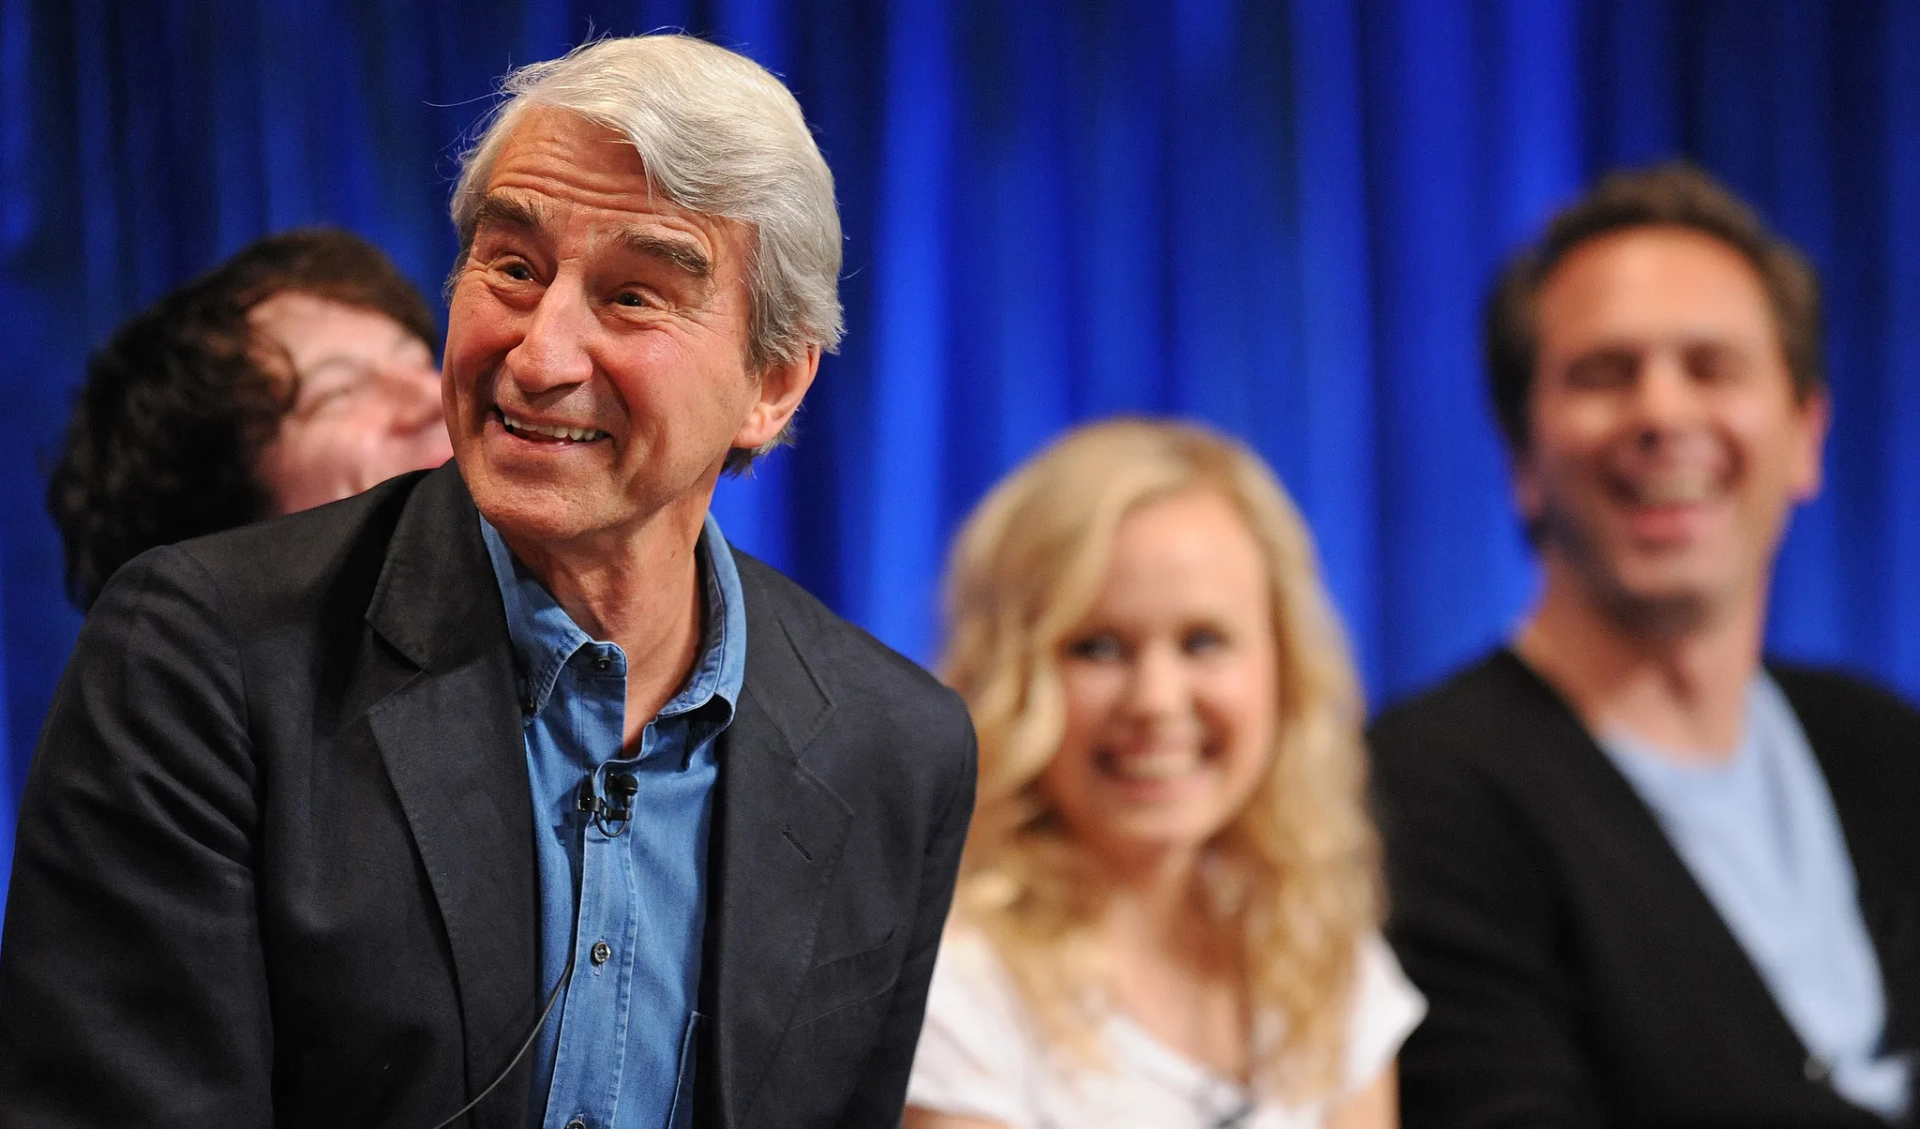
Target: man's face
(597, 344)
(1666, 445)
(366, 400)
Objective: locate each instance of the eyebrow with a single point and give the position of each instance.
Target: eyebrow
(682, 253)
(496, 210)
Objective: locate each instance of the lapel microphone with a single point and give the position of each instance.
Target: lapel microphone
(613, 814)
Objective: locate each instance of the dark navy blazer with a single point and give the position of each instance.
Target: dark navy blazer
(275, 862)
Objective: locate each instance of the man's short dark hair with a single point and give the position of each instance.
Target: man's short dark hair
(177, 408)
(1671, 195)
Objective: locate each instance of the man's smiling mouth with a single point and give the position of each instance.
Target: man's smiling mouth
(544, 432)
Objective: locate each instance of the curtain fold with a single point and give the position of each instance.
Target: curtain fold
(1279, 218)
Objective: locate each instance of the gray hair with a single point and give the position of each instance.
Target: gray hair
(719, 135)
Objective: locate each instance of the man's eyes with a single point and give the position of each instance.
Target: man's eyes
(1715, 365)
(339, 385)
(1606, 370)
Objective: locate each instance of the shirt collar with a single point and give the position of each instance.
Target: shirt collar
(545, 638)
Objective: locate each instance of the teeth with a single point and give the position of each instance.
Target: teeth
(1680, 488)
(577, 434)
(1159, 765)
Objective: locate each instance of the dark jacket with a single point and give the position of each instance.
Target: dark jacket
(275, 861)
(1576, 972)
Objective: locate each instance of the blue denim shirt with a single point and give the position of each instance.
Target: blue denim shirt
(628, 899)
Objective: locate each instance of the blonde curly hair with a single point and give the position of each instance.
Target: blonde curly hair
(1295, 876)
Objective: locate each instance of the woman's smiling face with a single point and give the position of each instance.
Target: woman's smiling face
(1170, 684)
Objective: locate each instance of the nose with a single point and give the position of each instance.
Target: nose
(414, 392)
(1665, 397)
(552, 353)
(1159, 686)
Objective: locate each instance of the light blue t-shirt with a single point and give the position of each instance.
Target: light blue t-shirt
(1760, 835)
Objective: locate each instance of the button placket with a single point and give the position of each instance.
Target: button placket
(602, 907)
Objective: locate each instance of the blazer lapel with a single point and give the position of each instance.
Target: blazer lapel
(450, 738)
(778, 836)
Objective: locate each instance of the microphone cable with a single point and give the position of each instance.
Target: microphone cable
(566, 974)
(620, 811)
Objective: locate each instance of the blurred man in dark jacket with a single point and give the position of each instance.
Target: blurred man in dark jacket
(1644, 877)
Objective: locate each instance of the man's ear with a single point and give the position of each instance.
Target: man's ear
(783, 384)
(1814, 416)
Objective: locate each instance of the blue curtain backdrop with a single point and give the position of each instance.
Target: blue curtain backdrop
(1275, 216)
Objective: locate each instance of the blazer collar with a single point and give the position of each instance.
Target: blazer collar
(778, 837)
(437, 575)
(451, 740)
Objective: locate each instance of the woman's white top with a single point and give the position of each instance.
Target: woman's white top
(981, 1055)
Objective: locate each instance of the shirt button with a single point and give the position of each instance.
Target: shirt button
(603, 664)
(601, 951)
(576, 1123)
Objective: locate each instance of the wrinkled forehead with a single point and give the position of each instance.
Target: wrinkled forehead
(562, 176)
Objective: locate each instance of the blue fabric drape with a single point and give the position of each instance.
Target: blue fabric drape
(1279, 217)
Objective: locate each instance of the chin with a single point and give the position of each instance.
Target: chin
(544, 515)
(1655, 589)
(1158, 834)
(1660, 605)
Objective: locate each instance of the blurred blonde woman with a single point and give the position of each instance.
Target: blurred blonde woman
(1169, 905)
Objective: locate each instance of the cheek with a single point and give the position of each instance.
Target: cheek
(479, 331)
(334, 445)
(1090, 694)
(1570, 431)
(1237, 701)
(649, 379)
(307, 465)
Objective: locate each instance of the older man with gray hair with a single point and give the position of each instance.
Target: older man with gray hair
(508, 794)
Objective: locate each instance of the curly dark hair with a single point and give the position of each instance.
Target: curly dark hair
(1670, 195)
(177, 407)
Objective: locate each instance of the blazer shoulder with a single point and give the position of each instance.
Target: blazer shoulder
(293, 564)
(1830, 692)
(1865, 736)
(849, 662)
(1463, 713)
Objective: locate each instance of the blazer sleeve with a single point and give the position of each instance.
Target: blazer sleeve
(882, 1090)
(132, 989)
(1474, 923)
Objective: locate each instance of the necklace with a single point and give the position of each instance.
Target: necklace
(1233, 1116)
